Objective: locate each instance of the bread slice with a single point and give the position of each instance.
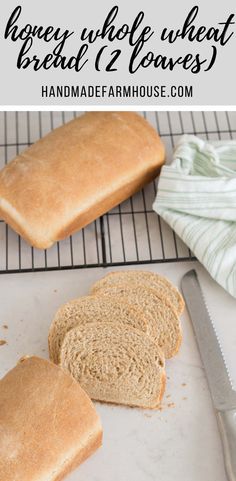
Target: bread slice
(48, 425)
(145, 278)
(163, 321)
(91, 309)
(115, 363)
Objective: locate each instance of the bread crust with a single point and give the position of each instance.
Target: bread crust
(80, 458)
(48, 425)
(77, 173)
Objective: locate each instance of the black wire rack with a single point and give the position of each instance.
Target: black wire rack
(131, 233)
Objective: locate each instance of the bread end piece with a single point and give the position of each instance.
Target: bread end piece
(48, 423)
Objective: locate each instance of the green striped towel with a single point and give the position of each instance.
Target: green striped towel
(197, 197)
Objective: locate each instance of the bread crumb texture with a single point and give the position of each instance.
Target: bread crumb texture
(115, 364)
(115, 341)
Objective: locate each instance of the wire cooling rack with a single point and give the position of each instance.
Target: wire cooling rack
(130, 233)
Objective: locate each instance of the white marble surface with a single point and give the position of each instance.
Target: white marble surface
(179, 443)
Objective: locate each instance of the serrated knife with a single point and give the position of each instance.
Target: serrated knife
(222, 393)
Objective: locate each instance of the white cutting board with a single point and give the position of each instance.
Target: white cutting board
(181, 441)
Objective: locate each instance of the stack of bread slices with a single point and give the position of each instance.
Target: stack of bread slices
(115, 341)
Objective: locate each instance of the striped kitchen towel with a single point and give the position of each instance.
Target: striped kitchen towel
(197, 197)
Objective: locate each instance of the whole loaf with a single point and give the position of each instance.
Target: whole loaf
(77, 173)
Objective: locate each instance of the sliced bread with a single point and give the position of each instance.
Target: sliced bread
(91, 309)
(145, 278)
(163, 321)
(115, 363)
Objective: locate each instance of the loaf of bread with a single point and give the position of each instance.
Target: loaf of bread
(145, 278)
(163, 324)
(115, 363)
(89, 309)
(48, 424)
(77, 173)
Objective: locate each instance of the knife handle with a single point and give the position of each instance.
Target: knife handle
(227, 425)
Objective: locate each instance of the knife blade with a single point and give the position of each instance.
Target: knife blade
(223, 395)
(221, 388)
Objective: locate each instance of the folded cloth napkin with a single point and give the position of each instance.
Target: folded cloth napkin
(197, 197)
